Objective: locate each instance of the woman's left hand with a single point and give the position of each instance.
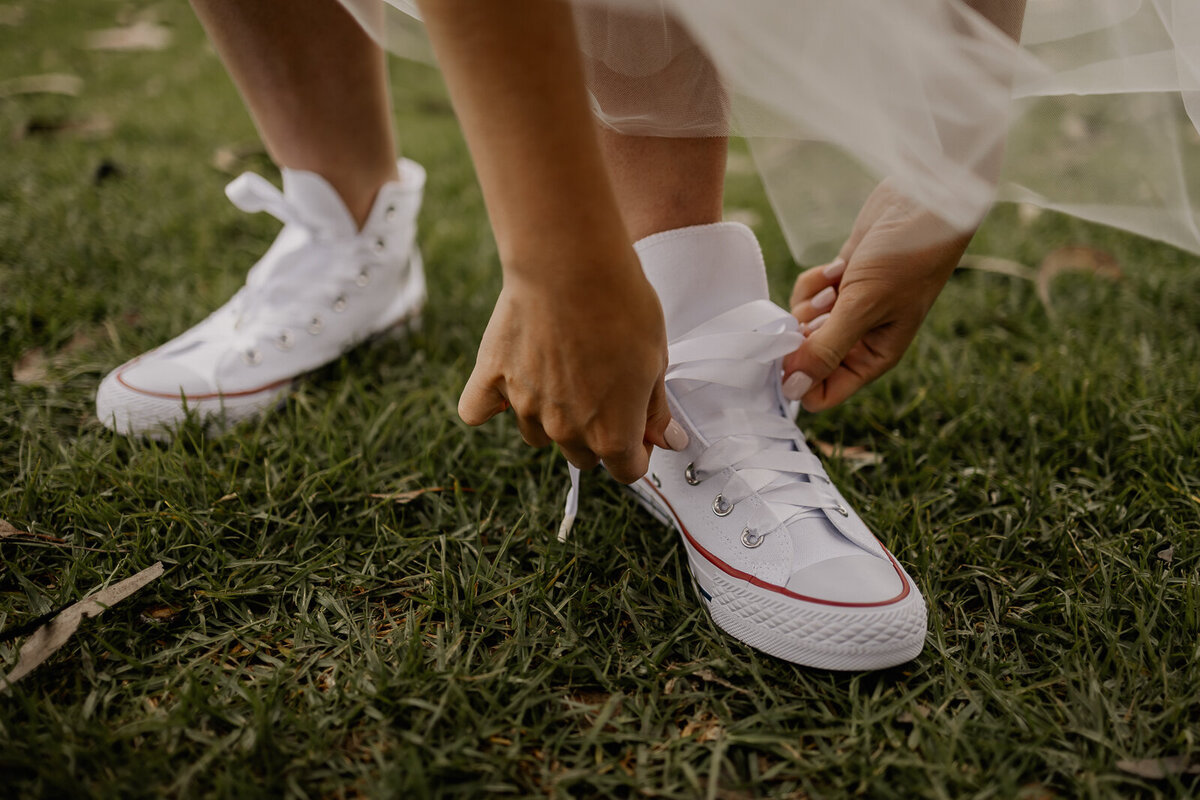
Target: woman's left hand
(860, 312)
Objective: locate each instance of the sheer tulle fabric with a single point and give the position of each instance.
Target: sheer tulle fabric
(1099, 104)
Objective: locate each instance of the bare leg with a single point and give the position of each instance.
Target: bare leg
(665, 183)
(316, 86)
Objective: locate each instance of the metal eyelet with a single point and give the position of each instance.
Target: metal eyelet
(316, 325)
(252, 356)
(751, 539)
(841, 509)
(390, 213)
(721, 506)
(689, 475)
(380, 245)
(339, 303)
(364, 277)
(285, 340)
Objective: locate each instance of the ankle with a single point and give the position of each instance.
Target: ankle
(359, 192)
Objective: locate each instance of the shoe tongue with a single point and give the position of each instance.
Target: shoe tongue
(317, 203)
(702, 271)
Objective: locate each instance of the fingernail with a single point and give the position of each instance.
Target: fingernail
(676, 436)
(815, 324)
(796, 386)
(835, 268)
(823, 299)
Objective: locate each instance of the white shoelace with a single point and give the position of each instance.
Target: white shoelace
(253, 193)
(742, 349)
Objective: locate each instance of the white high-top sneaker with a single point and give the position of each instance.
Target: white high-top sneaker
(322, 287)
(779, 558)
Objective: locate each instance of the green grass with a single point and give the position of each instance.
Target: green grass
(329, 644)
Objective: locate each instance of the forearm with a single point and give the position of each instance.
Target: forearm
(514, 74)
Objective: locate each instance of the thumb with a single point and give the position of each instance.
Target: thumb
(661, 430)
(820, 355)
(480, 401)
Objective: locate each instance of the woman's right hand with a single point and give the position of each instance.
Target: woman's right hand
(580, 358)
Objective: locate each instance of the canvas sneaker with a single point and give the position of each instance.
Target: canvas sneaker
(321, 288)
(779, 558)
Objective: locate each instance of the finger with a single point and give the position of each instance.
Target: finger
(630, 466)
(532, 432)
(580, 456)
(822, 352)
(814, 279)
(661, 430)
(810, 309)
(812, 326)
(480, 401)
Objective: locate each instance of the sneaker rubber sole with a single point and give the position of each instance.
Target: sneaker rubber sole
(813, 633)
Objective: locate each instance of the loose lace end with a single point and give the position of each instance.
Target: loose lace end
(572, 507)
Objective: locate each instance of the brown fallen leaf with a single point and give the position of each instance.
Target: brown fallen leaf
(34, 366)
(93, 126)
(30, 367)
(705, 727)
(51, 83)
(1167, 554)
(6, 530)
(141, 35)
(412, 494)
(160, 614)
(11, 15)
(408, 496)
(1159, 768)
(859, 456)
(232, 158)
(1074, 258)
(55, 633)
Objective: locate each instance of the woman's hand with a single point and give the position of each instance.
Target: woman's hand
(581, 361)
(860, 312)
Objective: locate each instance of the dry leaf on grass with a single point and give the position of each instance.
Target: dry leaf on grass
(1074, 258)
(51, 83)
(160, 614)
(412, 494)
(1159, 768)
(142, 35)
(1167, 554)
(55, 633)
(408, 496)
(11, 15)
(704, 726)
(33, 366)
(93, 126)
(231, 158)
(858, 456)
(30, 368)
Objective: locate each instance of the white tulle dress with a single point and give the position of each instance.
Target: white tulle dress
(1094, 113)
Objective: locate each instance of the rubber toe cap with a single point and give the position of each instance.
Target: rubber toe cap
(849, 579)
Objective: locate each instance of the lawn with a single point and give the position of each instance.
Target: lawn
(323, 629)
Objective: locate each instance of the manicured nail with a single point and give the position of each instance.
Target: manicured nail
(814, 325)
(796, 386)
(823, 299)
(834, 269)
(676, 436)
